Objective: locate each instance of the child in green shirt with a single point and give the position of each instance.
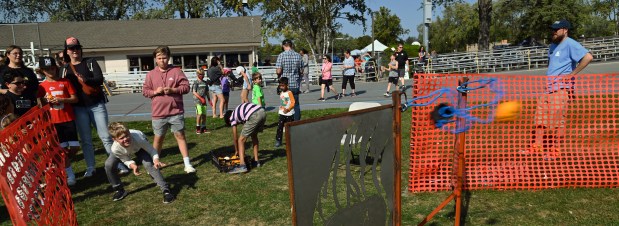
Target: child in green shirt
(257, 96)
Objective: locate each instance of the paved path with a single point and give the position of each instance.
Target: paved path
(135, 107)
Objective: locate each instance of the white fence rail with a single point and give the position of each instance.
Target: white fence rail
(603, 49)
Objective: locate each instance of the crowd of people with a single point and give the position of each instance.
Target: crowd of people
(72, 87)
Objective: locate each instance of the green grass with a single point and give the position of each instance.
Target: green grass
(261, 196)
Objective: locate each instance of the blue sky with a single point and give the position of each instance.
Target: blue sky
(409, 12)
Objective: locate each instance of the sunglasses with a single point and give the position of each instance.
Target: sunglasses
(74, 48)
(18, 83)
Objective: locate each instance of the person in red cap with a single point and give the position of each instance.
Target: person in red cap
(86, 77)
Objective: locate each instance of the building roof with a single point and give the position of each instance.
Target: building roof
(111, 34)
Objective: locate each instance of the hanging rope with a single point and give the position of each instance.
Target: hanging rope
(445, 113)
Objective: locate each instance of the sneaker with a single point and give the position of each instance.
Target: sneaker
(255, 164)
(168, 197)
(71, 180)
(89, 172)
(339, 96)
(123, 171)
(119, 195)
(321, 99)
(198, 131)
(278, 143)
(189, 169)
(205, 130)
(353, 94)
(387, 94)
(238, 169)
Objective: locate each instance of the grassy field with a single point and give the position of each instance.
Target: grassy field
(261, 197)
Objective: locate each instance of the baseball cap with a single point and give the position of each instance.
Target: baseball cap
(287, 42)
(46, 62)
(72, 42)
(561, 24)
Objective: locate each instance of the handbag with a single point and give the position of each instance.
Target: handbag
(88, 90)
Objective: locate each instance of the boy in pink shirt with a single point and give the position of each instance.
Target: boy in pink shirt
(165, 85)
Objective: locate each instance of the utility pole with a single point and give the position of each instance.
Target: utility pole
(427, 19)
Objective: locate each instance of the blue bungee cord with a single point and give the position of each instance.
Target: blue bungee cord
(445, 114)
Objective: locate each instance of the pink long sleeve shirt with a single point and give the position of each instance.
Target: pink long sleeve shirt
(165, 105)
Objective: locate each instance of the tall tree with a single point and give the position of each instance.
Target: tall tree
(313, 22)
(73, 10)
(457, 27)
(484, 16)
(387, 27)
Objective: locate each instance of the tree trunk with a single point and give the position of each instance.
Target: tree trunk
(485, 17)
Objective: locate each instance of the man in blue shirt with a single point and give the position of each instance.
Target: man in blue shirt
(566, 58)
(290, 65)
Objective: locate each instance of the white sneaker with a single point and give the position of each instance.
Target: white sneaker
(190, 169)
(89, 172)
(123, 171)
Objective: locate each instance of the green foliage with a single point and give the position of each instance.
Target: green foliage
(312, 22)
(455, 29)
(77, 10)
(387, 26)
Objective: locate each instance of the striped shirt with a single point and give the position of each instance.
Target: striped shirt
(291, 64)
(241, 114)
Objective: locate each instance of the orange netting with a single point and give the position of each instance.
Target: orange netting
(32, 175)
(563, 139)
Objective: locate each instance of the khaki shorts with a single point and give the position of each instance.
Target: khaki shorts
(254, 123)
(552, 108)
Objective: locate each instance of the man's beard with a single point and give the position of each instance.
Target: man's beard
(558, 39)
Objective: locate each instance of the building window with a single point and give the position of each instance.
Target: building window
(177, 61)
(189, 62)
(141, 63)
(203, 60)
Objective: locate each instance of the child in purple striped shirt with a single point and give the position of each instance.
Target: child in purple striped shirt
(253, 118)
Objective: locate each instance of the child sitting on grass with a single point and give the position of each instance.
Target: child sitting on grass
(128, 143)
(257, 96)
(253, 117)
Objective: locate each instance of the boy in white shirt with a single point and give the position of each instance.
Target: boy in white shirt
(127, 144)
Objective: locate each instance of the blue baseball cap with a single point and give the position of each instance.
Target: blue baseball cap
(561, 24)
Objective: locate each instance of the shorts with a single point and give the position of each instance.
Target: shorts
(254, 123)
(67, 134)
(552, 108)
(200, 109)
(246, 85)
(393, 80)
(327, 82)
(176, 123)
(216, 89)
(402, 72)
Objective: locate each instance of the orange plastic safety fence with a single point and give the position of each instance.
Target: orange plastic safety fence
(567, 138)
(32, 175)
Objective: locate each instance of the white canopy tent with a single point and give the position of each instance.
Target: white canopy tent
(378, 47)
